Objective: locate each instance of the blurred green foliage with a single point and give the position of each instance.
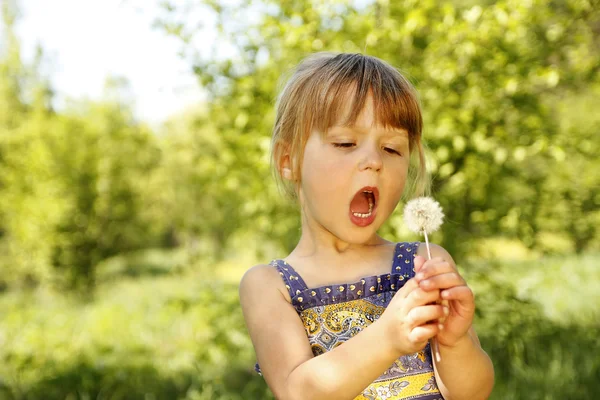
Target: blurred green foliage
(504, 88)
(114, 237)
(509, 93)
(181, 335)
(174, 337)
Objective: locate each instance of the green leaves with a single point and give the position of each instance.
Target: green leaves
(489, 77)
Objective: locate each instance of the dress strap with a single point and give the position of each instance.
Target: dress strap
(293, 281)
(404, 255)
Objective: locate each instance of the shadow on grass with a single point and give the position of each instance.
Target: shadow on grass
(535, 357)
(86, 381)
(141, 263)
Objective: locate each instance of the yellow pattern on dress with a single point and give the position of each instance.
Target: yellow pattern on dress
(404, 388)
(331, 325)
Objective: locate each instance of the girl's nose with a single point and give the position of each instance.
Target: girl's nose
(370, 159)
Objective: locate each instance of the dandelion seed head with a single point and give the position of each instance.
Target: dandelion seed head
(423, 214)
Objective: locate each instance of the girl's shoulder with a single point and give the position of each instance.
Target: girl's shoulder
(260, 281)
(436, 251)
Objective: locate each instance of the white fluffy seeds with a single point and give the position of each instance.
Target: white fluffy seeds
(423, 215)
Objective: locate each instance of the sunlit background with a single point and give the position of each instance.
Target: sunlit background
(135, 187)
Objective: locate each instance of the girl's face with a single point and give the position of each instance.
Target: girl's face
(353, 178)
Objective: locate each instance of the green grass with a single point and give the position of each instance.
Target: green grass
(538, 320)
(566, 287)
(178, 334)
(164, 337)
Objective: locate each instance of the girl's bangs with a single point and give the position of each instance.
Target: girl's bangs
(395, 103)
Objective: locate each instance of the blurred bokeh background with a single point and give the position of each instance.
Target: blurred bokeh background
(123, 235)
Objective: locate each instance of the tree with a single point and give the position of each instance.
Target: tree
(487, 77)
(72, 184)
(104, 160)
(26, 182)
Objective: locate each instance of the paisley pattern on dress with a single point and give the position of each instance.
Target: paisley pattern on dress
(333, 314)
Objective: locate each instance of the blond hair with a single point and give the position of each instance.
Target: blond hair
(316, 94)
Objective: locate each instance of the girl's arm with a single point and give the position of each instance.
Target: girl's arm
(285, 356)
(465, 370)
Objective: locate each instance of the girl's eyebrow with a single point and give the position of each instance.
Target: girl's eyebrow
(394, 131)
(398, 134)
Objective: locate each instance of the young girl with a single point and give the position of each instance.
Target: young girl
(348, 314)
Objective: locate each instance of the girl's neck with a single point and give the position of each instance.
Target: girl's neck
(335, 261)
(320, 247)
(316, 241)
(311, 244)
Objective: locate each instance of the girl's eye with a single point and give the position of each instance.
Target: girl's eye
(392, 151)
(345, 145)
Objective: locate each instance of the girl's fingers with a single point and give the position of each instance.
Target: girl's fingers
(423, 332)
(433, 267)
(418, 262)
(442, 281)
(422, 315)
(407, 288)
(419, 297)
(460, 293)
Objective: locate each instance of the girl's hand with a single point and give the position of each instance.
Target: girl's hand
(439, 275)
(410, 319)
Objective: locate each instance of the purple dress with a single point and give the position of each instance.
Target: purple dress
(333, 314)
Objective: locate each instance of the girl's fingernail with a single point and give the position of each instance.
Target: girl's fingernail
(446, 311)
(441, 326)
(420, 276)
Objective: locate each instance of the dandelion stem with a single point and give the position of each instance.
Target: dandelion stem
(436, 348)
(427, 244)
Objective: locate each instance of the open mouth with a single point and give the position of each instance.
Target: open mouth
(363, 205)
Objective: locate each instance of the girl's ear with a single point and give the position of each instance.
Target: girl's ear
(286, 168)
(284, 164)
